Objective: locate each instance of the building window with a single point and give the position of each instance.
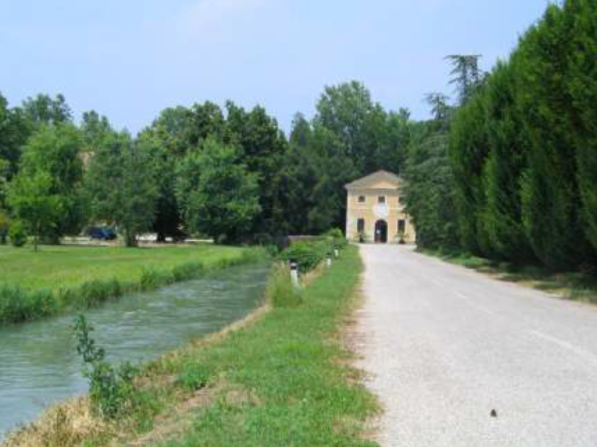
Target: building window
(401, 226)
(381, 199)
(362, 199)
(361, 226)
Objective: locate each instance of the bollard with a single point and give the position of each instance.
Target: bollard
(294, 274)
(329, 260)
(336, 252)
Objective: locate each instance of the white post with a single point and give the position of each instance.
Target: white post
(294, 274)
(336, 252)
(329, 260)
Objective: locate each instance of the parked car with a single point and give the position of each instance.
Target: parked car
(102, 233)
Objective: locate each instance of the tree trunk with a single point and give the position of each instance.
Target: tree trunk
(130, 239)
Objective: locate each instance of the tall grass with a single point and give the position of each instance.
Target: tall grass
(280, 290)
(18, 304)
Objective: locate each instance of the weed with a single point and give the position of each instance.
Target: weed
(111, 390)
(194, 377)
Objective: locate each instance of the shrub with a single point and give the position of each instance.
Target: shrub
(308, 255)
(280, 290)
(337, 239)
(18, 305)
(111, 390)
(17, 234)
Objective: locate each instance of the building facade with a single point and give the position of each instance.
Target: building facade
(375, 210)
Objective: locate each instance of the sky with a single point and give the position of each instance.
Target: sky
(129, 59)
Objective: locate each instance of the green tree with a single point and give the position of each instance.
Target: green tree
(45, 110)
(262, 146)
(550, 190)
(466, 74)
(430, 186)
(55, 151)
(359, 124)
(14, 131)
(176, 132)
(121, 185)
(94, 129)
(508, 146)
(218, 195)
(33, 201)
(469, 150)
(581, 83)
(298, 175)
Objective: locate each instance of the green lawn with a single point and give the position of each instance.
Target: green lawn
(57, 279)
(71, 266)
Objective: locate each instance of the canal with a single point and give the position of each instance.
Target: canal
(39, 364)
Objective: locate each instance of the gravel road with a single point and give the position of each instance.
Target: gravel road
(444, 347)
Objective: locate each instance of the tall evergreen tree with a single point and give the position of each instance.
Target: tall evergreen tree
(468, 152)
(508, 146)
(550, 190)
(581, 83)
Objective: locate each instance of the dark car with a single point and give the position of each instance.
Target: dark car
(101, 233)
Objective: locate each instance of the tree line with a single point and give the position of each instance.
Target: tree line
(510, 171)
(223, 172)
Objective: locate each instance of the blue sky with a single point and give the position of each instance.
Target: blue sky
(129, 59)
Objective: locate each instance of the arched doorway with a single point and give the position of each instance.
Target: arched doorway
(381, 232)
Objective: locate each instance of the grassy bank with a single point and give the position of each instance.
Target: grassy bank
(282, 379)
(56, 279)
(577, 286)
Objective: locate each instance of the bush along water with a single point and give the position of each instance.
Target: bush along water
(18, 304)
(308, 255)
(111, 390)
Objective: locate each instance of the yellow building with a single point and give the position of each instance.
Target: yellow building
(375, 210)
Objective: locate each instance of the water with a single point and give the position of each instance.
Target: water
(39, 364)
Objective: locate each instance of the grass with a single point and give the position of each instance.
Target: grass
(577, 286)
(34, 285)
(69, 266)
(283, 379)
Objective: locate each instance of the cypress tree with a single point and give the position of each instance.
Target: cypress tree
(582, 87)
(468, 153)
(502, 219)
(550, 191)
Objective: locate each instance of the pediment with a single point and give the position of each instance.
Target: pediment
(378, 180)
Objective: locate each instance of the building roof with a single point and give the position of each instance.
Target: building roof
(370, 181)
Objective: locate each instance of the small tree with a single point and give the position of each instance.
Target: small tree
(121, 185)
(217, 194)
(32, 201)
